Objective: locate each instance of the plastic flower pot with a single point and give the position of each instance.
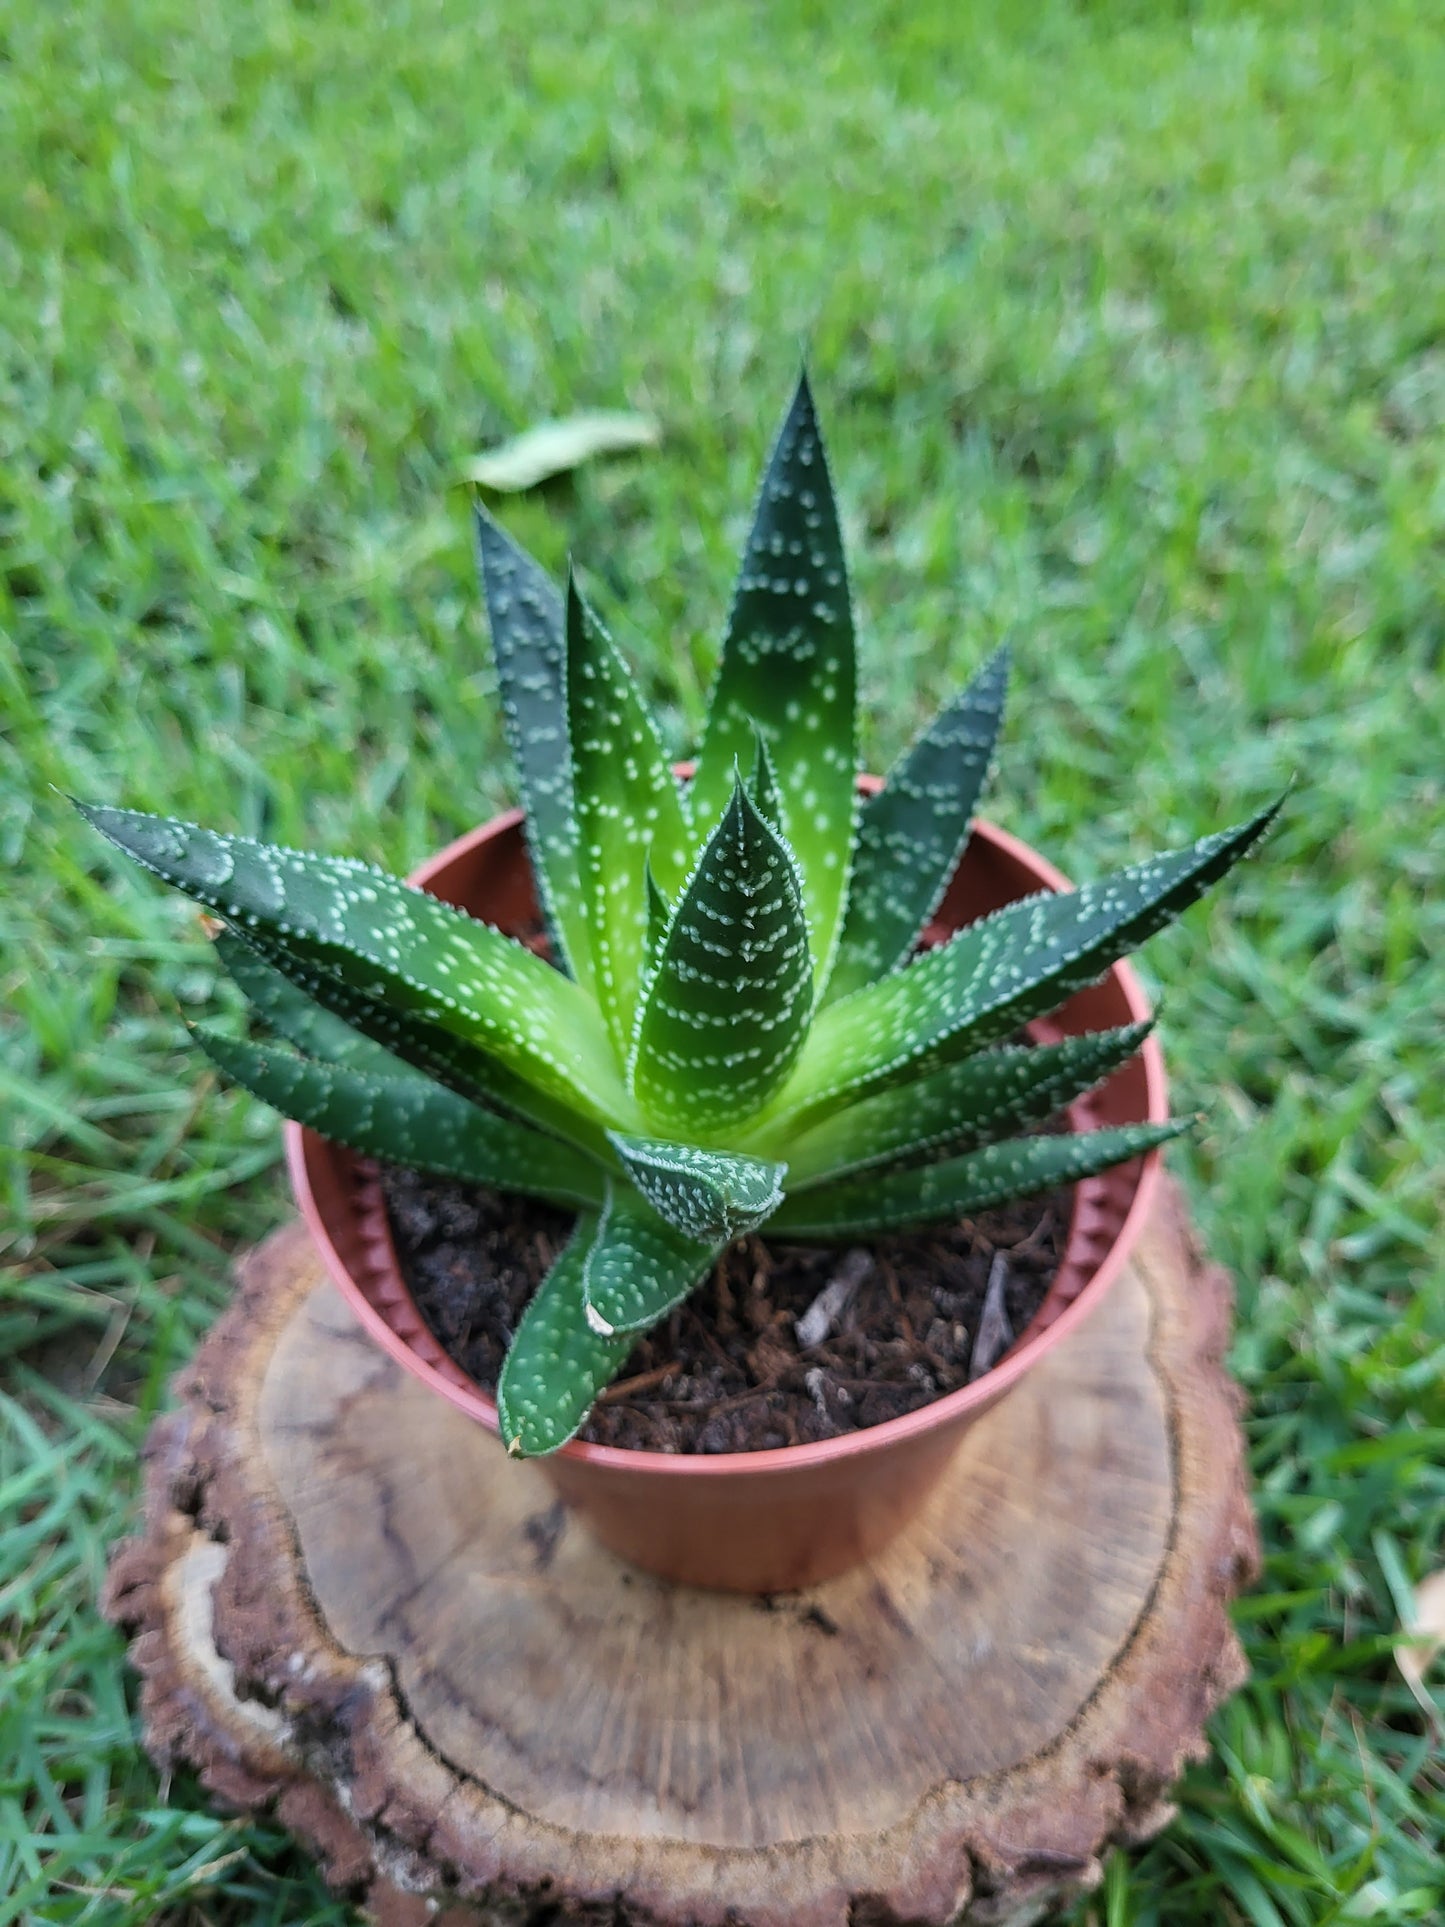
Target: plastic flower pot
(767, 1521)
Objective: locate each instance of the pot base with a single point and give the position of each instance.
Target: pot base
(352, 1610)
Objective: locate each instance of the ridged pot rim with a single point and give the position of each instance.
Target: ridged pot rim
(1044, 1334)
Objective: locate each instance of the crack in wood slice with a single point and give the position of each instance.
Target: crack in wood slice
(347, 1605)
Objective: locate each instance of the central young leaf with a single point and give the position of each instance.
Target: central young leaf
(706, 1194)
(631, 819)
(787, 672)
(727, 1005)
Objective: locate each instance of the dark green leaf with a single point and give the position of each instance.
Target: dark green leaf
(957, 1107)
(630, 815)
(292, 1013)
(659, 916)
(447, 1059)
(911, 833)
(787, 668)
(996, 974)
(524, 612)
(936, 1193)
(556, 1364)
(709, 1195)
(407, 1120)
(727, 1007)
(388, 942)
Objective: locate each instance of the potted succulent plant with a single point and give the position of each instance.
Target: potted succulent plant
(761, 993)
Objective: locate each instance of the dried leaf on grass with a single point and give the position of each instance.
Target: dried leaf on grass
(553, 448)
(1424, 1639)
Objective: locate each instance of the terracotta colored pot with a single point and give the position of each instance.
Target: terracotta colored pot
(775, 1520)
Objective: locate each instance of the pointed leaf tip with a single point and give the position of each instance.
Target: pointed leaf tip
(912, 832)
(557, 1362)
(526, 617)
(787, 668)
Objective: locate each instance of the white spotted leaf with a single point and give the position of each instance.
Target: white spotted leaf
(294, 1014)
(386, 941)
(787, 669)
(935, 1193)
(408, 1120)
(556, 1363)
(727, 1005)
(525, 615)
(957, 1107)
(631, 819)
(453, 1062)
(709, 1195)
(639, 1266)
(996, 974)
(911, 833)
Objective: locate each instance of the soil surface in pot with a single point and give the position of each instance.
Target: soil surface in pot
(883, 1331)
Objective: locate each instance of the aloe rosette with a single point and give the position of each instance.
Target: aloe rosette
(735, 1026)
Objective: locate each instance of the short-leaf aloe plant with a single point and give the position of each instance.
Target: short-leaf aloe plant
(735, 1027)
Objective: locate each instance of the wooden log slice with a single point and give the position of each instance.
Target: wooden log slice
(349, 1607)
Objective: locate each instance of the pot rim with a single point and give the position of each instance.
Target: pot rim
(951, 1407)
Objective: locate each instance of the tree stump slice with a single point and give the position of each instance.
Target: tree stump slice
(350, 1609)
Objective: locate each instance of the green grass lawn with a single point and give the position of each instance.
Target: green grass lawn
(1128, 324)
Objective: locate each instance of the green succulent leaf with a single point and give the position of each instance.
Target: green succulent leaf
(763, 782)
(451, 1061)
(556, 1364)
(787, 667)
(631, 819)
(408, 1120)
(727, 1007)
(957, 1107)
(659, 916)
(524, 613)
(639, 1266)
(934, 1193)
(911, 833)
(714, 1196)
(996, 974)
(384, 940)
(295, 1015)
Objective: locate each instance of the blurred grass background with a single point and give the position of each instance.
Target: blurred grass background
(1128, 326)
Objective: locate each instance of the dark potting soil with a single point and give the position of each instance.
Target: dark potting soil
(885, 1329)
